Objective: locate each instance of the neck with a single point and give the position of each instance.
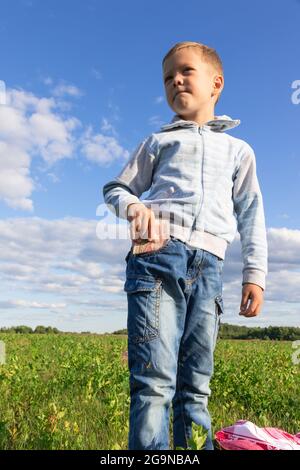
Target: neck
(200, 117)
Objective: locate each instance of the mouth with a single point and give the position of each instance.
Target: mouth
(179, 93)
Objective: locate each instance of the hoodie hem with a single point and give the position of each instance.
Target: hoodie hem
(199, 239)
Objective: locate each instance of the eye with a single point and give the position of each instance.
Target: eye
(186, 68)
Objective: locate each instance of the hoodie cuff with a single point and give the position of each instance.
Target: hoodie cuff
(124, 203)
(254, 276)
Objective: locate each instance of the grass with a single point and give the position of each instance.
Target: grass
(72, 391)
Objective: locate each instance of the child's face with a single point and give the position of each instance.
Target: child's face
(185, 71)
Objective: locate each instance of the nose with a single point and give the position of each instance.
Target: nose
(177, 79)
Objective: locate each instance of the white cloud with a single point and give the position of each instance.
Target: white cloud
(37, 127)
(61, 265)
(284, 245)
(28, 304)
(61, 256)
(102, 149)
(53, 177)
(2, 93)
(108, 127)
(53, 136)
(30, 126)
(67, 89)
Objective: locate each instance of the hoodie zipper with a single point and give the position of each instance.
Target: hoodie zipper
(200, 130)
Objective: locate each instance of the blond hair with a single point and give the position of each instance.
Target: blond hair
(208, 55)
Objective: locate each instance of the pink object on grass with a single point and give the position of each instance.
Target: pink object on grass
(244, 435)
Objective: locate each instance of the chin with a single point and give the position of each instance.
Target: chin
(184, 113)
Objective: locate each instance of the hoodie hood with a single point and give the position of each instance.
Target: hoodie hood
(218, 124)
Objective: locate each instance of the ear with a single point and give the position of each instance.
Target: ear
(218, 85)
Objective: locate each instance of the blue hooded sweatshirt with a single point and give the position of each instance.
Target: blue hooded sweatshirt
(204, 182)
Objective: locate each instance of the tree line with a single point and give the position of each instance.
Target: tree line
(226, 331)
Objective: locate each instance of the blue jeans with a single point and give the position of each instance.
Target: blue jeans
(174, 297)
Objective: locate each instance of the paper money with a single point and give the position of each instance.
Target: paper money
(145, 246)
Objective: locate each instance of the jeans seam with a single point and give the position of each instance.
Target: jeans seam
(181, 401)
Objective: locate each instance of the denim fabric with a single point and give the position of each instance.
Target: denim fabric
(174, 307)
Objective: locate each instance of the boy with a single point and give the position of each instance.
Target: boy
(203, 183)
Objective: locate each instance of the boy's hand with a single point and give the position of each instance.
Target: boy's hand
(142, 222)
(144, 229)
(254, 293)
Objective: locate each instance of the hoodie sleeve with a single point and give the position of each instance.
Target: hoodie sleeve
(248, 205)
(133, 180)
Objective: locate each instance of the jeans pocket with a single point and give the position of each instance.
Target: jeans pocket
(127, 256)
(143, 298)
(210, 259)
(153, 252)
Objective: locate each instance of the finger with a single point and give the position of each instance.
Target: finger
(132, 229)
(144, 225)
(244, 303)
(252, 309)
(246, 310)
(130, 213)
(135, 228)
(153, 232)
(251, 314)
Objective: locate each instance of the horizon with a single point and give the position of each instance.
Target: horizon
(73, 107)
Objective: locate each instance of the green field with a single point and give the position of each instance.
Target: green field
(72, 392)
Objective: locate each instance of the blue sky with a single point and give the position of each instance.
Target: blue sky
(83, 88)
